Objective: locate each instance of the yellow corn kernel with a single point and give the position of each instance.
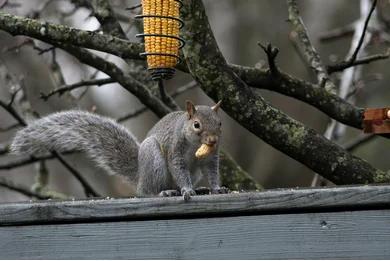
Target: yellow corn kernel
(164, 26)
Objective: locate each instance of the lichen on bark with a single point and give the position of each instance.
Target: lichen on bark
(208, 66)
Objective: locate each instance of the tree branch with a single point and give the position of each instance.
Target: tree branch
(143, 109)
(286, 84)
(67, 88)
(352, 60)
(43, 194)
(209, 68)
(365, 60)
(319, 98)
(21, 189)
(308, 49)
(48, 32)
(355, 53)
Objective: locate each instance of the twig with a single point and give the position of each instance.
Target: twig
(163, 93)
(134, 7)
(292, 35)
(315, 62)
(256, 115)
(8, 107)
(23, 190)
(360, 38)
(26, 160)
(365, 60)
(354, 144)
(354, 55)
(351, 61)
(66, 88)
(124, 79)
(292, 86)
(308, 49)
(272, 53)
(10, 127)
(89, 191)
(337, 33)
(43, 50)
(133, 114)
(52, 34)
(143, 109)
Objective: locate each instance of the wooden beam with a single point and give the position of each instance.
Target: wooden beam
(333, 235)
(272, 201)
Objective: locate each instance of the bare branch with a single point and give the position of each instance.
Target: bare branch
(354, 55)
(308, 49)
(26, 160)
(52, 33)
(252, 76)
(143, 109)
(365, 60)
(337, 33)
(89, 191)
(271, 53)
(21, 189)
(129, 83)
(252, 112)
(8, 107)
(66, 88)
(10, 127)
(352, 59)
(359, 41)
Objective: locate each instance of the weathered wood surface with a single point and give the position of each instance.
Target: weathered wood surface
(273, 201)
(335, 235)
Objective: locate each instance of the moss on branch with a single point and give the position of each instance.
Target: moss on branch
(328, 103)
(217, 79)
(49, 32)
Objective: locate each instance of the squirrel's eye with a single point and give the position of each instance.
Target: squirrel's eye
(196, 125)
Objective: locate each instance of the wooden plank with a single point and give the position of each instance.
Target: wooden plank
(276, 201)
(335, 235)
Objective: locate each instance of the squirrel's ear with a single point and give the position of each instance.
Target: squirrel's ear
(216, 106)
(190, 109)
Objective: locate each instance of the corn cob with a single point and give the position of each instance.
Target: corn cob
(162, 26)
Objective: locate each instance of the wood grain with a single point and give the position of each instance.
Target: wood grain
(272, 201)
(335, 235)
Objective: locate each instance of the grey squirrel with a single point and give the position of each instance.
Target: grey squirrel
(163, 163)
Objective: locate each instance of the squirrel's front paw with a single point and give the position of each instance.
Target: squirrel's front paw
(187, 193)
(220, 190)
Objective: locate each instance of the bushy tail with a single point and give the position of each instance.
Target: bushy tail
(106, 142)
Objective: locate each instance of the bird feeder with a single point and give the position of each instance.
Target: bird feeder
(377, 120)
(162, 23)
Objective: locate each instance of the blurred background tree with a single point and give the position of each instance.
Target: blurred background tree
(37, 68)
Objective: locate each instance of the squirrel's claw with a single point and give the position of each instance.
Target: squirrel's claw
(187, 193)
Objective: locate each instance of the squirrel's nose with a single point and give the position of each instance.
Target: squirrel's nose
(211, 140)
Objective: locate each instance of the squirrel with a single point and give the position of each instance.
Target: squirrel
(163, 164)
